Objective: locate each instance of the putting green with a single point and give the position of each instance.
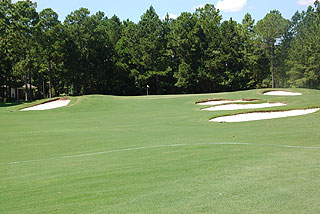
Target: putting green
(159, 154)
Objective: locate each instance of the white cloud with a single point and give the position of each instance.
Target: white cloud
(171, 16)
(305, 2)
(231, 5)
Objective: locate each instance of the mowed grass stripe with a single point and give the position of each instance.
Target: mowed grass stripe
(158, 146)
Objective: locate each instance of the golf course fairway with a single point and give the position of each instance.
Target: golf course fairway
(159, 154)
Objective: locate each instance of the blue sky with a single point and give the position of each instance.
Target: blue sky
(133, 9)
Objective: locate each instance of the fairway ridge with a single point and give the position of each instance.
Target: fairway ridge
(158, 147)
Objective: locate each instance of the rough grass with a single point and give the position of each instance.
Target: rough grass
(196, 177)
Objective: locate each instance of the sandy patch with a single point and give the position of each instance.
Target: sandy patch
(263, 115)
(281, 93)
(215, 102)
(48, 105)
(229, 107)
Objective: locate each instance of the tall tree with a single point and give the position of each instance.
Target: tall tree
(16, 42)
(143, 48)
(77, 32)
(232, 67)
(100, 54)
(48, 37)
(25, 17)
(5, 60)
(125, 66)
(254, 57)
(270, 29)
(209, 34)
(149, 53)
(184, 45)
(304, 53)
(196, 52)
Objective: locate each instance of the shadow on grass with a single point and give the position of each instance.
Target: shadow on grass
(10, 104)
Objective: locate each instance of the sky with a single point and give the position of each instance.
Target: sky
(134, 9)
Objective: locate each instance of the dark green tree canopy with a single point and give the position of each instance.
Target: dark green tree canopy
(196, 52)
(270, 30)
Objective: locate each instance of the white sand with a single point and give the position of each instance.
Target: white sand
(281, 93)
(49, 105)
(263, 115)
(219, 102)
(243, 106)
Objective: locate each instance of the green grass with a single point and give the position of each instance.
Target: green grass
(198, 176)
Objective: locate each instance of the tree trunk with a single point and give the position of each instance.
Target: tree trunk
(50, 85)
(30, 89)
(84, 85)
(9, 92)
(5, 89)
(272, 66)
(43, 88)
(26, 87)
(27, 73)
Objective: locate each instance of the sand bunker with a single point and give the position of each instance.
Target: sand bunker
(281, 93)
(48, 105)
(243, 106)
(263, 115)
(215, 102)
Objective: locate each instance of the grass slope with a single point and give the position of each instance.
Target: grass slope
(196, 177)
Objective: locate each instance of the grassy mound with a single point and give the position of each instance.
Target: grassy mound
(159, 154)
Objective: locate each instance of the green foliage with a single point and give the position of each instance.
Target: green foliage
(271, 27)
(197, 52)
(182, 75)
(270, 30)
(49, 37)
(303, 58)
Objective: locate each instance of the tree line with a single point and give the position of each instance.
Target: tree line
(197, 52)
